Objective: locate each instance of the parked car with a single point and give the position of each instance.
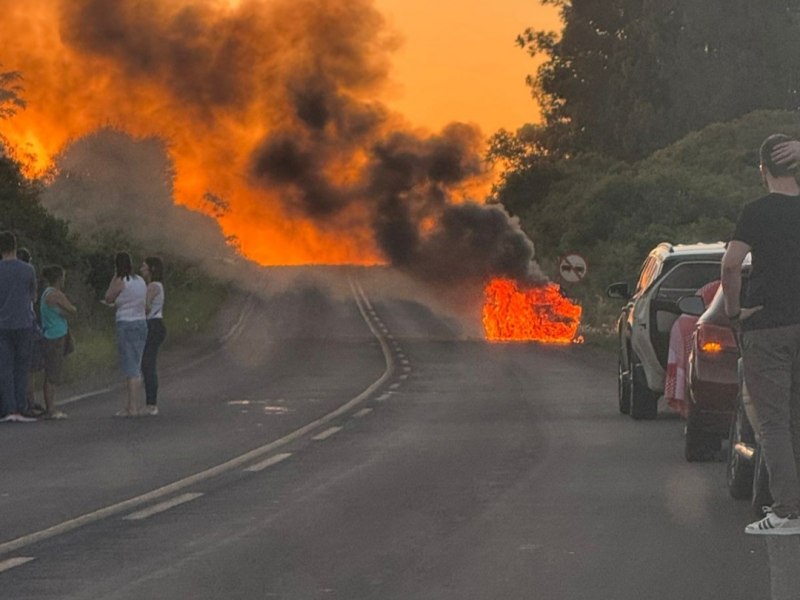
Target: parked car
(711, 378)
(669, 272)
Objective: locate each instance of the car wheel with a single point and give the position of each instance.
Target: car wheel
(740, 469)
(761, 494)
(623, 386)
(644, 401)
(700, 445)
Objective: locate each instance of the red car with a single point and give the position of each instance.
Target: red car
(710, 378)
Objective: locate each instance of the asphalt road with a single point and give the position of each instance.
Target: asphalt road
(354, 446)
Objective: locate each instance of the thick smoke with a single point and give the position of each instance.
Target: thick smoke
(109, 181)
(274, 104)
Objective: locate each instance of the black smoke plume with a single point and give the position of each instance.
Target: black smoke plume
(307, 73)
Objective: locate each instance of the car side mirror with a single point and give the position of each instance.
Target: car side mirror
(619, 291)
(692, 305)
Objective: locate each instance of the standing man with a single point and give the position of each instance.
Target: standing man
(17, 292)
(770, 324)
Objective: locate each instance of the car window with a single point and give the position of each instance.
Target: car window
(649, 271)
(687, 278)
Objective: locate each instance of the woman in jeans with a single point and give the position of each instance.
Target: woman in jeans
(152, 270)
(127, 292)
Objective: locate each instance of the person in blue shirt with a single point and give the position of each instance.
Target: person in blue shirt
(17, 292)
(54, 308)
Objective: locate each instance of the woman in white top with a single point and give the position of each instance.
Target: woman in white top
(152, 270)
(128, 292)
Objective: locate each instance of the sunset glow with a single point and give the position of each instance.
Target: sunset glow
(426, 65)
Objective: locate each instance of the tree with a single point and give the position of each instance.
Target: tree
(10, 90)
(627, 77)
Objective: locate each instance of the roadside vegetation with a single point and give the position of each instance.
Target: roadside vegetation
(652, 119)
(194, 296)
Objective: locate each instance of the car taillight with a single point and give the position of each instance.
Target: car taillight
(713, 339)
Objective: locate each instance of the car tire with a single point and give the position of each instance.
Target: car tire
(761, 495)
(739, 468)
(644, 401)
(699, 444)
(623, 386)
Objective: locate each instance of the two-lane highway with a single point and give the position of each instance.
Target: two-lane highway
(457, 470)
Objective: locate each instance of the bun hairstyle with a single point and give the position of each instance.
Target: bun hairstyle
(123, 265)
(156, 266)
(24, 255)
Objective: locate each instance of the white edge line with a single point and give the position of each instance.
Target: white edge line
(326, 434)
(162, 507)
(229, 465)
(72, 399)
(15, 562)
(272, 460)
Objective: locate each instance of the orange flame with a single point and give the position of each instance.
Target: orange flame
(539, 314)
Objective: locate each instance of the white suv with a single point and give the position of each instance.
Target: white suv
(669, 273)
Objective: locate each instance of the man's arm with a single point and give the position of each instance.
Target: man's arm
(732, 276)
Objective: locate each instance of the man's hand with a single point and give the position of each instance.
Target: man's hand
(743, 315)
(746, 313)
(787, 153)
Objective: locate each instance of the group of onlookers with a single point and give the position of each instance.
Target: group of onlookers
(139, 303)
(30, 344)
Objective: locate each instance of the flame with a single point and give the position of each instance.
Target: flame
(539, 314)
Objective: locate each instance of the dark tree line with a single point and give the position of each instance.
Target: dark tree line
(626, 77)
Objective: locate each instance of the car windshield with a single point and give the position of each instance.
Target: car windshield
(687, 278)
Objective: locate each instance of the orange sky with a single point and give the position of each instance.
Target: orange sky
(455, 62)
(459, 61)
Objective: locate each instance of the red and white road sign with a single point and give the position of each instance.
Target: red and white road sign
(572, 268)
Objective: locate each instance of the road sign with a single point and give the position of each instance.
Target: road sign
(572, 268)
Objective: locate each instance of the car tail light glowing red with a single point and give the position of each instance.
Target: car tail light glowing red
(713, 339)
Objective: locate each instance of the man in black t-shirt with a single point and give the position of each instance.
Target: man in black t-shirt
(769, 319)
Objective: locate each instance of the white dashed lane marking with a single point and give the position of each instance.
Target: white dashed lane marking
(10, 563)
(272, 460)
(326, 434)
(362, 413)
(394, 386)
(161, 507)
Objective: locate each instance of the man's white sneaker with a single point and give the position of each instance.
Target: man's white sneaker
(772, 524)
(151, 409)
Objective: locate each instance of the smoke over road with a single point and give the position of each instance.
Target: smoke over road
(274, 107)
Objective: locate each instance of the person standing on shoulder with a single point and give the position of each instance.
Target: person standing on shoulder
(152, 270)
(54, 308)
(17, 292)
(769, 319)
(36, 363)
(127, 292)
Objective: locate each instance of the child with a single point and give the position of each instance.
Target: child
(54, 307)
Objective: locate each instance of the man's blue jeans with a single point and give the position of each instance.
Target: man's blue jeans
(15, 358)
